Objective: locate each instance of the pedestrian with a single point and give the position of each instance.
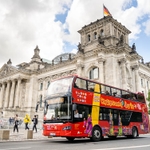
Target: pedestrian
(1, 114)
(35, 122)
(27, 120)
(10, 120)
(16, 122)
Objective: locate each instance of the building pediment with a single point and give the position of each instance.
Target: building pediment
(7, 70)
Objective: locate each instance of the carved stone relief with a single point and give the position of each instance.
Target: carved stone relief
(7, 70)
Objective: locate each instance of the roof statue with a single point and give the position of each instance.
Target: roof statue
(142, 60)
(80, 47)
(133, 48)
(9, 62)
(36, 53)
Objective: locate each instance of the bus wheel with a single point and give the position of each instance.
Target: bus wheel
(134, 132)
(96, 134)
(71, 139)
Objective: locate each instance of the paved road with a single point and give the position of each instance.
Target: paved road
(141, 143)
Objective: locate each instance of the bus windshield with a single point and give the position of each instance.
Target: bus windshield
(60, 86)
(58, 111)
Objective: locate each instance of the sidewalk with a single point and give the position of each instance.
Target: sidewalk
(22, 136)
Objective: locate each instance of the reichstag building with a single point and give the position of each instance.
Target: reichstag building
(104, 55)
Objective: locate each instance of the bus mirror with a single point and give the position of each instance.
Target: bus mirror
(74, 107)
(45, 108)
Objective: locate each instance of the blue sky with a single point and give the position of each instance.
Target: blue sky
(53, 26)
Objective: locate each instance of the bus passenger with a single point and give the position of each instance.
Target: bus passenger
(76, 114)
(107, 93)
(92, 89)
(52, 118)
(114, 93)
(134, 98)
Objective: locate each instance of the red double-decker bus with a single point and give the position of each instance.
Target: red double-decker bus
(78, 108)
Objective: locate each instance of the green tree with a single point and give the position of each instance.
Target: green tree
(148, 98)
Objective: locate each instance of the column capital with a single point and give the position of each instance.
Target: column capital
(40, 80)
(101, 60)
(122, 60)
(80, 65)
(135, 67)
(8, 81)
(13, 80)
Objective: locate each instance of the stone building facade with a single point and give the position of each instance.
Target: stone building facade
(103, 55)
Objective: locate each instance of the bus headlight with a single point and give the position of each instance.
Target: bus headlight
(67, 128)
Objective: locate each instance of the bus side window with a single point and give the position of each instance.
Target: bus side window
(90, 86)
(75, 85)
(115, 117)
(133, 97)
(116, 92)
(105, 90)
(80, 83)
(104, 114)
(126, 95)
(141, 98)
(125, 117)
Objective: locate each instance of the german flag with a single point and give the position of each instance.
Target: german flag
(106, 11)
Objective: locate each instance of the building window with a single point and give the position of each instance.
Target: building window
(118, 34)
(41, 86)
(40, 101)
(102, 32)
(95, 35)
(142, 82)
(89, 38)
(115, 31)
(94, 73)
(48, 83)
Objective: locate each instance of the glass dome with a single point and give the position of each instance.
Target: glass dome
(63, 57)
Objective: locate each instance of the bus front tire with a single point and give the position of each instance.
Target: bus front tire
(96, 134)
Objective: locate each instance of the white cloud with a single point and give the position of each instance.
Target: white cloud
(74, 51)
(25, 24)
(147, 27)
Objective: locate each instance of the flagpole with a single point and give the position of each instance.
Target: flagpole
(103, 10)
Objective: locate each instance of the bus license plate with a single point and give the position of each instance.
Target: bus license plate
(52, 134)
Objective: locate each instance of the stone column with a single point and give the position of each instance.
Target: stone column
(80, 70)
(32, 93)
(123, 73)
(137, 78)
(2, 95)
(101, 69)
(7, 95)
(11, 104)
(17, 93)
